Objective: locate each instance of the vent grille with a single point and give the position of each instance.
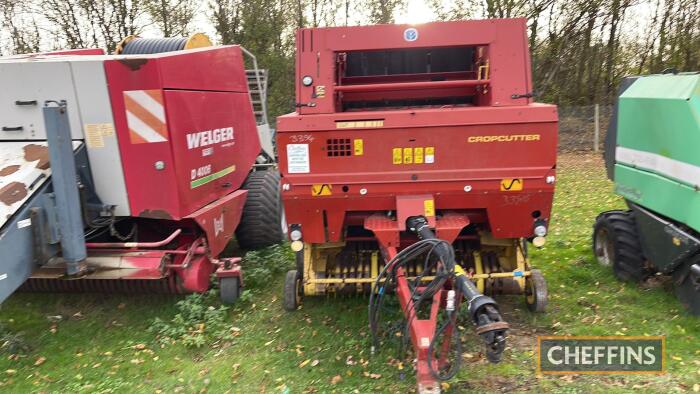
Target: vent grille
(338, 147)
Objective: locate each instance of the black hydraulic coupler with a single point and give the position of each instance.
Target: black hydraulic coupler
(483, 310)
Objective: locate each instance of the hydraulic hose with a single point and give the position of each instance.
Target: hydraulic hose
(483, 310)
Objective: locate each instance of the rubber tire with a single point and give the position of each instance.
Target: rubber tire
(628, 261)
(536, 285)
(685, 289)
(292, 291)
(229, 289)
(261, 222)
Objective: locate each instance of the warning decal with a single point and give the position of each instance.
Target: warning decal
(145, 116)
(321, 190)
(298, 159)
(429, 208)
(512, 185)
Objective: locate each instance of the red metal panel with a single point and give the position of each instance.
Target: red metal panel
(220, 219)
(214, 68)
(466, 172)
(215, 141)
(211, 140)
(505, 40)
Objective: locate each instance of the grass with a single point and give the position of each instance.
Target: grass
(103, 342)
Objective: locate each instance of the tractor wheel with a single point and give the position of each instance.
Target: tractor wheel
(616, 244)
(292, 291)
(536, 292)
(262, 221)
(687, 287)
(229, 289)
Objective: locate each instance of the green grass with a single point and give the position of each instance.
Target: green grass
(103, 343)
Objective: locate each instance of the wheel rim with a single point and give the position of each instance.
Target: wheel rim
(603, 248)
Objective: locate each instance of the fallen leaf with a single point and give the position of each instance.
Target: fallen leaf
(336, 379)
(304, 363)
(39, 361)
(314, 363)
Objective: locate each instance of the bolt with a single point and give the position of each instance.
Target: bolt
(160, 165)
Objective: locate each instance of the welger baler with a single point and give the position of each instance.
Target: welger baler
(417, 164)
(130, 172)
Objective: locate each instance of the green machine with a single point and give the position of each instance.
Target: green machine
(652, 153)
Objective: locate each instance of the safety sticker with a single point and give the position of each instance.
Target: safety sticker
(398, 158)
(429, 155)
(407, 155)
(429, 208)
(298, 158)
(418, 155)
(321, 190)
(93, 136)
(145, 116)
(512, 185)
(424, 342)
(320, 91)
(24, 223)
(359, 147)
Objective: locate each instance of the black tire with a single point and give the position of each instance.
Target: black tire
(616, 243)
(687, 287)
(263, 214)
(536, 295)
(229, 289)
(292, 291)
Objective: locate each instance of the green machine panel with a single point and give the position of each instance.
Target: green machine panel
(657, 154)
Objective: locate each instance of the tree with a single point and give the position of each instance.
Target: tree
(173, 17)
(22, 29)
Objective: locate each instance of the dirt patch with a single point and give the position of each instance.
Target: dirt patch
(35, 152)
(13, 192)
(9, 170)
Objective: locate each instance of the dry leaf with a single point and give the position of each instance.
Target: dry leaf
(304, 363)
(314, 363)
(39, 361)
(336, 379)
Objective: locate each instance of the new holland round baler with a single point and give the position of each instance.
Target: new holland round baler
(417, 164)
(131, 172)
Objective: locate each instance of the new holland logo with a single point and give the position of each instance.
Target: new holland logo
(410, 34)
(145, 116)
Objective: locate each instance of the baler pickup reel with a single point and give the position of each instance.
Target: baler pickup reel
(438, 346)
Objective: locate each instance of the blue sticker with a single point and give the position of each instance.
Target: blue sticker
(410, 34)
(518, 274)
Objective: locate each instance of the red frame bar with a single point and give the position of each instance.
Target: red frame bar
(99, 245)
(376, 87)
